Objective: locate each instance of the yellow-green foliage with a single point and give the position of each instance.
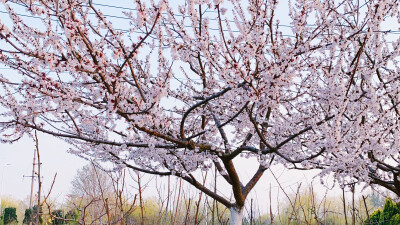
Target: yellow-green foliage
(154, 213)
(151, 212)
(307, 208)
(389, 215)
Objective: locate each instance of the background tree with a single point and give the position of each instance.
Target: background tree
(90, 187)
(91, 181)
(187, 89)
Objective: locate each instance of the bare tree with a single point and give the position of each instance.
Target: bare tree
(90, 189)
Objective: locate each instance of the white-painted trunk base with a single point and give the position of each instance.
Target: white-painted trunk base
(236, 215)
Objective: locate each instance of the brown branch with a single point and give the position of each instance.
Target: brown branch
(255, 125)
(253, 181)
(222, 132)
(300, 160)
(222, 34)
(196, 184)
(236, 184)
(138, 45)
(139, 169)
(206, 100)
(73, 121)
(302, 132)
(122, 48)
(247, 148)
(357, 58)
(222, 172)
(223, 124)
(382, 165)
(97, 141)
(386, 184)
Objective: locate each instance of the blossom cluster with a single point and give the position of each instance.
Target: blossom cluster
(201, 83)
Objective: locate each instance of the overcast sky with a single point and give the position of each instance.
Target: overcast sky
(16, 166)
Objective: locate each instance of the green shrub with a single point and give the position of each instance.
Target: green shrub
(72, 217)
(31, 214)
(390, 215)
(10, 215)
(60, 217)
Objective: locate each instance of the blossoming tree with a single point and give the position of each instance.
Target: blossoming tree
(197, 85)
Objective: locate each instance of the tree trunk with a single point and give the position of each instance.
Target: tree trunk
(236, 215)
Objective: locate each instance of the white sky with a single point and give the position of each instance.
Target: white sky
(54, 158)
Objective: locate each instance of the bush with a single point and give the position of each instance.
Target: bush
(72, 217)
(31, 214)
(60, 217)
(390, 215)
(10, 215)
